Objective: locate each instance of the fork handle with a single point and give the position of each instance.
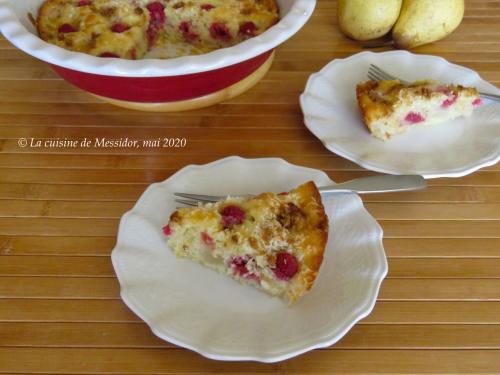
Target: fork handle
(490, 96)
(377, 184)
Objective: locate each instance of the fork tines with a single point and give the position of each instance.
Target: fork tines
(200, 197)
(377, 74)
(186, 202)
(194, 200)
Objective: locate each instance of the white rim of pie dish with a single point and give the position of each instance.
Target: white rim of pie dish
(14, 31)
(300, 347)
(361, 160)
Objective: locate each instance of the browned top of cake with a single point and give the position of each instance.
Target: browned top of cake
(131, 28)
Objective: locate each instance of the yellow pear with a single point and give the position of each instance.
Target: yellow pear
(425, 21)
(367, 19)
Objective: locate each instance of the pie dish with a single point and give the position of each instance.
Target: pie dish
(149, 82)
(451, 149)
(196, 308)
(272, 241)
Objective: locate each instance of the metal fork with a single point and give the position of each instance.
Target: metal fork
(377, 74)
(364, 185)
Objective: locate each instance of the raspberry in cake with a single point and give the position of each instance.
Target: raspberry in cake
(391, 107)
(106, 28)
(212, 24)
(274, 242)
(132, 28)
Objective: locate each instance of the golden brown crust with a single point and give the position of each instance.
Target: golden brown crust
(372, 105)
(107, 28)
(41, 13)
(195, 26)
(315, 229)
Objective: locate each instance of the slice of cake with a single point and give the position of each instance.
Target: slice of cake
(274, 242)
(391, 107)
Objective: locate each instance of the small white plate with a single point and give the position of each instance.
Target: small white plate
(198, 309)
(451, 149)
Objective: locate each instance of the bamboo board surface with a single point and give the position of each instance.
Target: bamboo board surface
(60, 311)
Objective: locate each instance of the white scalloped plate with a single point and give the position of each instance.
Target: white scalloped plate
(452, 149)
(198, 309)
(16, 27)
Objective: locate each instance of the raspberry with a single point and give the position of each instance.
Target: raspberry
(157, 14)
(414, 118)
(119, 28)
(155, 7)
(133, 54)
(248, 29)
(66, 28)
(478, 101)
(167, 231)
(207, 7)
(286, 267)
(83, 3)
(232, 215)
(443, 90)
(239, 265)
(157, 20)
(184, 26)
(207, 239)
(151, 35)
(452, 100)
(109, 54)
(189, 35)
(219, 31)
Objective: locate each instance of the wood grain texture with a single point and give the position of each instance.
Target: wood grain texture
(60, 309)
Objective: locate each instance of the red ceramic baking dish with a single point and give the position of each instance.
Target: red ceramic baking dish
(154, 84)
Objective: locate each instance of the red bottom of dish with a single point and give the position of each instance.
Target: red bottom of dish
(201, 101)
(163, 89)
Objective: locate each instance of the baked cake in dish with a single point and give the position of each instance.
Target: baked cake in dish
(274, 242)
(212, 24)
(107, 28)
(132, 28)
(391, 107)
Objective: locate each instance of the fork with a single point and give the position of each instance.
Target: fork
(377, 74)
(364, 185)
